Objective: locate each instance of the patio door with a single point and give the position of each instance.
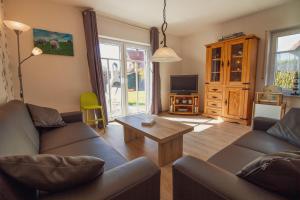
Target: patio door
(126, 71)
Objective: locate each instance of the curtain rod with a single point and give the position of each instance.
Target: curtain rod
(116, 20)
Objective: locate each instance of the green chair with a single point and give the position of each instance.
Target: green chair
(89, 102)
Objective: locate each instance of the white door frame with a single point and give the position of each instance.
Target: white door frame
(123, 64)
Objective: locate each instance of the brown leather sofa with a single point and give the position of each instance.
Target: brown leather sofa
(137, 179)
(216, 180)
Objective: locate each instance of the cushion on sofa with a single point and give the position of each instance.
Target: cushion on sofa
(45, 117)
(278, 172)
(73, 132)
(51, 172)
(234, 157)
(265, 143)
(96, 147)
(17, 132)
(288, 128)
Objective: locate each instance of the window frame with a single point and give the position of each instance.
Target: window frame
(272, 52)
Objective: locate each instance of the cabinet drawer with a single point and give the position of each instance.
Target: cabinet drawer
(212, 111)
(214, 96)
(214, 104)
(214, 89)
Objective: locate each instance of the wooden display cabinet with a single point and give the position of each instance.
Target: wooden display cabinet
(184, 104)
(230, 79)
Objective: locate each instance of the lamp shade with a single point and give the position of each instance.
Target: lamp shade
(16, 26)
(165, 54)
(36, 51)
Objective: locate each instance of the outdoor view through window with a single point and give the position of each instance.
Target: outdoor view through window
(126, 77)
(286, 60)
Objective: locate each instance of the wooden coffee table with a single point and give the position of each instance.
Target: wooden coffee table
(168, 134)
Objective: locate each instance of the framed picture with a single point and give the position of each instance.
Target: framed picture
(53, 42)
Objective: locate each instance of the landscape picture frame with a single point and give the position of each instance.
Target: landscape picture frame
(54, 43)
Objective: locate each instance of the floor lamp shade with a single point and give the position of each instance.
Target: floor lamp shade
(16, 26)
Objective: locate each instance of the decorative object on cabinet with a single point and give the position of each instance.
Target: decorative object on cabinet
(184, 104)
(231, 36)
(19, 28)
(230, 79)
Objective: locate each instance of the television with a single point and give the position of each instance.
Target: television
(184, 84)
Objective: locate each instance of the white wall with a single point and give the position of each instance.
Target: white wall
(193, 49)
(116, 29)
(49, 80)
(58, 81)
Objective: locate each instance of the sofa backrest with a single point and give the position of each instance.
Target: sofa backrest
(17, 136)
(17, 132)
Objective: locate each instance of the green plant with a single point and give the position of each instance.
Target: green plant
(284, 79)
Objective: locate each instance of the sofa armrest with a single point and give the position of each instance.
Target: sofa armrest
(263, 123)
(137, 179)
(71, 117)
(195, 179)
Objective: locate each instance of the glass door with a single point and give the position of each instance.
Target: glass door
(126, 71)
(236, 62)
(137, 73)
(216, 63)
(111, 60)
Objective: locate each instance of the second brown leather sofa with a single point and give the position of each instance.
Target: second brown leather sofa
(195, 179)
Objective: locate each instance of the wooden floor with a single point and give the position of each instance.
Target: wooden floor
(209, 137)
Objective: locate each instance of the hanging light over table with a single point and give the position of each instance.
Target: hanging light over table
(165, 54)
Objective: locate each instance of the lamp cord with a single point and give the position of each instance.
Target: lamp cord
(164, 26)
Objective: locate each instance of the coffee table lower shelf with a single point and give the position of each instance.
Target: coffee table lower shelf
(167, 151)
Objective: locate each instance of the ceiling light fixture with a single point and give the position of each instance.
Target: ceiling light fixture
(165, 54)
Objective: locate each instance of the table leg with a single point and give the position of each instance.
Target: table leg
(170, 151)
(130, 134)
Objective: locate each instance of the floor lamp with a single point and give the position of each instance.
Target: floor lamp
(19, 28)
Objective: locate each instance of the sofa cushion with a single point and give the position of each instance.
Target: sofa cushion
(233, 158)
(279, 172)
(17, 132)
(265, 143)
(92, 147)
(45, 117)
(51, 172)
(288, 127)
(73, 132)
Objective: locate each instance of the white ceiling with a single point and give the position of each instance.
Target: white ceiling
(183, 16)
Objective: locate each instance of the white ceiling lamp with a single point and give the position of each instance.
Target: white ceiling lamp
(165, 54)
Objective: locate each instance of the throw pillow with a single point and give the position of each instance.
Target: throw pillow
(279, 172)
(51, 172)
(288, 128)
(45, 117)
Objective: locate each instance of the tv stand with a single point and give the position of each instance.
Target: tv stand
(184, 104)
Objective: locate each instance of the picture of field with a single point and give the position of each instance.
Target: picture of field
(53, 42)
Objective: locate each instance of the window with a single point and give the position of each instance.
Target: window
(284, 60)
(126, 71)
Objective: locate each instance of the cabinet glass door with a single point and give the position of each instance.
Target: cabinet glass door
(215, 72)
(236, 63)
